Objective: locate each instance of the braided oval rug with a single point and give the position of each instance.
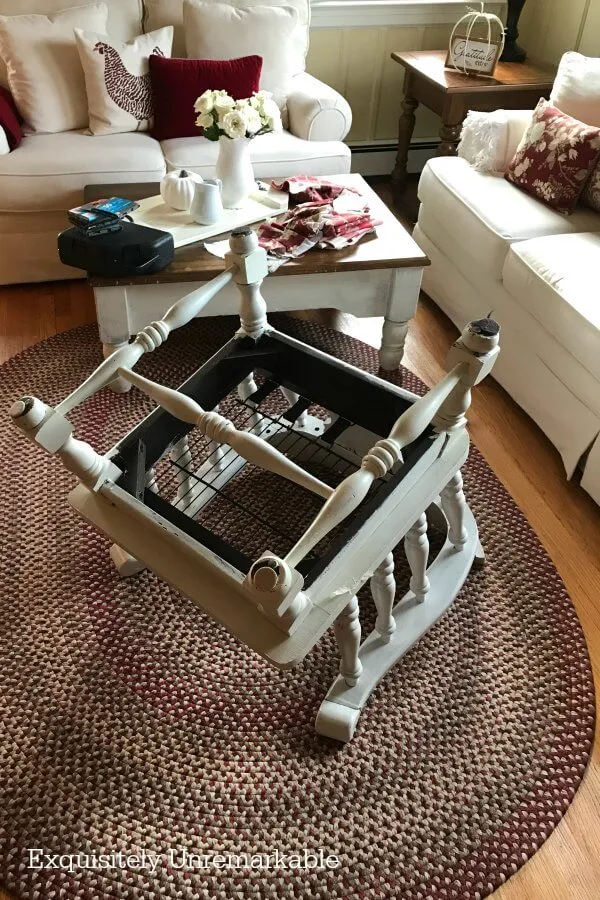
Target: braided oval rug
(138, 738)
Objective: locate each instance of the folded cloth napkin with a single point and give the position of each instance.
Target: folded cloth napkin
(322, 214)
(310, 189)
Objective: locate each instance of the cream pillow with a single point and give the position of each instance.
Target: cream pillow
(170, 12)
(222, 31)
(576, 89)
(44, 73)
(117, 79)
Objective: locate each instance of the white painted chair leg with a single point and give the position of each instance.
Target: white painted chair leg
(126, 564)
(416, 547)
(454, 505)
(479, 560)
(181, 456)
(118, 385)
(292, 398)
(151, 482)
(383, 589)
(347, 634)
(245, 389)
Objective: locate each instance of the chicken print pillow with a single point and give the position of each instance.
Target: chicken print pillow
(117, 79)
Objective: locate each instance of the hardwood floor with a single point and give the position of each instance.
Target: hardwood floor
(567, 521)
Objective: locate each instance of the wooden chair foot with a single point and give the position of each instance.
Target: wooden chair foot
(125, 564)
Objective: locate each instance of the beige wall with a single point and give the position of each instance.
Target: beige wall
(356, 61)
(550, 27)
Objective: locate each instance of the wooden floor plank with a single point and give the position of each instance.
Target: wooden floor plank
(567, 867)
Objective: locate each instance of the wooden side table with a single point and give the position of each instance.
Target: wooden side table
(451, 95)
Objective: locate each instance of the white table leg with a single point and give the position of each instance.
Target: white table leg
(118, 385)
(113, 325)
(393, 339)
(403, 296)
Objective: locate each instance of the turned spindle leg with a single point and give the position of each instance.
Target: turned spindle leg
(416, 547)
(383, 589)
(245, 389)
(347, 634)
(181, 456)
(454, 506)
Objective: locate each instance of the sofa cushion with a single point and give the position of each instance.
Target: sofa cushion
(555, 157)
(124, 17)
(228, 31)
(576, 88)
(170, 12)
(273, 155)
(554, 279)
(187, 79)
(487, 214)
(117, 79)
(44, 71)
(49, 171)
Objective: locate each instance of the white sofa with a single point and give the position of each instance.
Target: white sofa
(492, 247)
(45, 175)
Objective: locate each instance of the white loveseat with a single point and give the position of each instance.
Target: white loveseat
(45, 175)
(492, 247)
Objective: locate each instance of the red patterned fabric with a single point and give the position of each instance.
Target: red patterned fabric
(177, 83)
(310, 189)
(10, 120)
(555, 157)
(334, 217)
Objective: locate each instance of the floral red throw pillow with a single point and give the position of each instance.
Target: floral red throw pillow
(555, 158)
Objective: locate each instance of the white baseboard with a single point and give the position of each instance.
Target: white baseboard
(378, 158)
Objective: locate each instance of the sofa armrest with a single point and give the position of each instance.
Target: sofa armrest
(316, 111)
(489, 140)
(4, 148)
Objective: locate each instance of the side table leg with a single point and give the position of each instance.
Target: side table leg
(118, 385)
(406, 126)
(450, 136)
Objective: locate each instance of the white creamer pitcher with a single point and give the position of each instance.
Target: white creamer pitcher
(207, 206)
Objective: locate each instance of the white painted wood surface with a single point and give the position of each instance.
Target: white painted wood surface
(391, 293)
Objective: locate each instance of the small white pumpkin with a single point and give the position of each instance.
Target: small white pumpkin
(177, 188)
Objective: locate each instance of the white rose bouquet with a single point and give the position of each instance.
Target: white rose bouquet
(219, 114)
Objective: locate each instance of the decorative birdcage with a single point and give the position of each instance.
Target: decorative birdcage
(476, 42)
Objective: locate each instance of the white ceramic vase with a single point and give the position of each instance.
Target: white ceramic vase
(234, 168)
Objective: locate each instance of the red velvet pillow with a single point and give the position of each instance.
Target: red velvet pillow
(10, 120)
(555, 158)
(177, 83)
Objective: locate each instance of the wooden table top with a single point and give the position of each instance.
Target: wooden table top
(511, 77)
(391, 247)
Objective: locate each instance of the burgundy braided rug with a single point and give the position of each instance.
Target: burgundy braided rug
(132, 724)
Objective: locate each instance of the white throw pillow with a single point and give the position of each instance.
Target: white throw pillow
(576, 89)
(44, 72)
(483, 141)
(222, 31)
(170, 12)
(117, 79)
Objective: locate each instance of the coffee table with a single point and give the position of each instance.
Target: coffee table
(380, 276)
